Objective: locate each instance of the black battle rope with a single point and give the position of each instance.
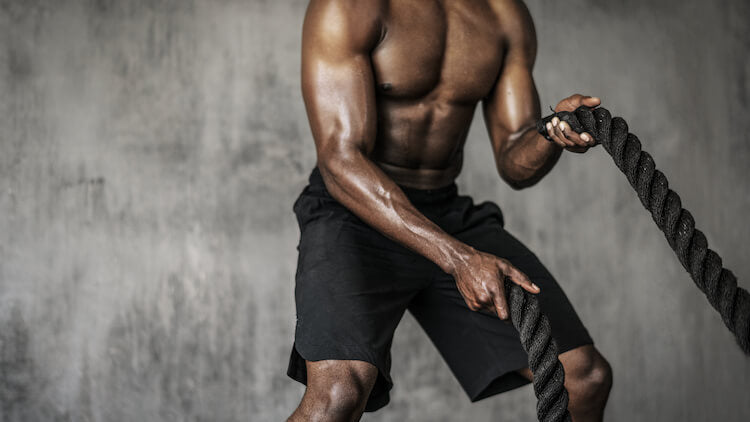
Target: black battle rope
(536, 339)
(704, 265)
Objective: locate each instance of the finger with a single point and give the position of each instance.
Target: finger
(472, 305)
(501, 305)
(548, 126)
(484, 299)
(589, 101)
(522, 280)
(551, 130)
(577, 149)
(585, 137)
(567, 132)
(559, 134)
(555, 134)
(571, 135)
(553, 137)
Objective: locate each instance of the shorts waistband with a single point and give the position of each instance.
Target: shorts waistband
(416, 196)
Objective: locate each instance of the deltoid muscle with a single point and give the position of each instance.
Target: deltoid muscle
(704, 265)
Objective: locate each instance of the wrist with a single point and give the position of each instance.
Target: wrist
(456, 256)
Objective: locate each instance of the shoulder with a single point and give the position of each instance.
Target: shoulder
(517, 31)
(515, 21)
(357, 23)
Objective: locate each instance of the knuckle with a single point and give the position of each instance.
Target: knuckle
(501, 307)
(496, 294)
(523, 277)
(499, 289)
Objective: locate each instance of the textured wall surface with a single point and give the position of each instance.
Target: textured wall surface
(150, 152)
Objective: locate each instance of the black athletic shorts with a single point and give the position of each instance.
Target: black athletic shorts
(353, 285)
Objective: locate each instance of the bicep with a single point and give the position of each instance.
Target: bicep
(337, 82)
(513, 104)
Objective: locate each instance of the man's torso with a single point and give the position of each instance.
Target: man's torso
(435, 61)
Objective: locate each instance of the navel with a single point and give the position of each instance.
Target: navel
(386, 87)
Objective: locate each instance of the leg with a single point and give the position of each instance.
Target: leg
(484, 352)
(588, 379)
(337, 391)
(351, 289)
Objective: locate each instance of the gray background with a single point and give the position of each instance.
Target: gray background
(150, 152)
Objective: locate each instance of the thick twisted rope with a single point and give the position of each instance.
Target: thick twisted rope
(536, 339)
(703, 264)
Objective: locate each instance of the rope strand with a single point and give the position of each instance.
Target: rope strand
(689, 244)
(536, 339)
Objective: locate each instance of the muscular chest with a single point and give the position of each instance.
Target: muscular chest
(448, 49)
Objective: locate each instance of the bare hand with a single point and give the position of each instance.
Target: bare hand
(480, 279)
(562, 134)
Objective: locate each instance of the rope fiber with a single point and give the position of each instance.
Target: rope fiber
(536, 339)
(704, 265)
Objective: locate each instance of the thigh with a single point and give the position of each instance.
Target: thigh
(352, 287)
(483, 351)
(567, 328)
(352, 283)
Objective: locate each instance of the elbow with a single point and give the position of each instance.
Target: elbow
(517, 180)
(329, 166)
(335, 160)
(519, 184)
(337, 165)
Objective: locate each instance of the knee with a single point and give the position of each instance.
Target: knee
(590, 380)
(339, 400)
(345, 398)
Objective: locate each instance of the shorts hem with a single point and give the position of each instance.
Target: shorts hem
(380, 394)
(501, 380)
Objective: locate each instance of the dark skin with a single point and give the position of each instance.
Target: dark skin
(390, 89)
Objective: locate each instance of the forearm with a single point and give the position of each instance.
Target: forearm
(528, 158)
(361, 186)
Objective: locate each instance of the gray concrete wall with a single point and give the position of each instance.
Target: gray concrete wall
(150, 151)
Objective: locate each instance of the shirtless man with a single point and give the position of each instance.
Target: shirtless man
(390, 88)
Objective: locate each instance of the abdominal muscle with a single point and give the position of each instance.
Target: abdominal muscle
(421, 146)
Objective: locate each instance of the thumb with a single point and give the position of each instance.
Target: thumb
(589, 101)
